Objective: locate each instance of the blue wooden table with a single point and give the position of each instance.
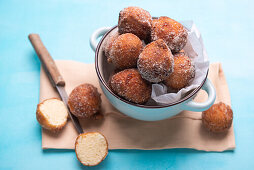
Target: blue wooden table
(65, 26)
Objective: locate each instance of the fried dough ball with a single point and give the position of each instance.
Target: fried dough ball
(130, 85)
(218, 118)
(135, 20)
(84, 101)
(171, 31)
(125, 51)
(108, 42)
(155, 63)
(184, 71)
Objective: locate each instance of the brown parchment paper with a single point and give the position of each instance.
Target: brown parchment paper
(181, 131)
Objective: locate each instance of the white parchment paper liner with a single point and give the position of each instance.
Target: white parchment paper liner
(196, 51)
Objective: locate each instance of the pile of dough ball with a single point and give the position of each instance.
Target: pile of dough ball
(146, 51)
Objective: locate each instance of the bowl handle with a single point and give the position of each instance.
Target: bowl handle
(199, 107)
(96, 34)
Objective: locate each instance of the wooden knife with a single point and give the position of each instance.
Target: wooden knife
(53, 74)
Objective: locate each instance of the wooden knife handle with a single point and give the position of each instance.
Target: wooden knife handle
(46, 60)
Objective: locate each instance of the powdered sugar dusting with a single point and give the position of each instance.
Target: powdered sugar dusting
(108, 42)
(156, 62)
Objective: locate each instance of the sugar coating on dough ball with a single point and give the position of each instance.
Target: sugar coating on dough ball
(155, 63)
(135, 20)
(130, 85)
(108, 42)
(184, 71)
(171, 31)
(125, 51)
(218, 118)
(84, 101)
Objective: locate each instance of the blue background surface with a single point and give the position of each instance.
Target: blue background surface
(65, 27)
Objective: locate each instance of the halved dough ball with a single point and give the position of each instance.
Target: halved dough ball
(84, 101)
(52, 114)
(91, 148)
(155, 63)
(218, 118)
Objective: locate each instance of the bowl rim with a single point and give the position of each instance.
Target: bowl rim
(104, 83)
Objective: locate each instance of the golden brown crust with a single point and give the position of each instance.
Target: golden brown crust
(125, 51)
(135, 20)
(43, 121)
(184, 71)
(76, 142)
(155, 63)
(218, 118)
(171, 31)
(84, 101)
(130, 85)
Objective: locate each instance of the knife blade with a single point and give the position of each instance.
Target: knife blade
(64, 97)
(53, 74)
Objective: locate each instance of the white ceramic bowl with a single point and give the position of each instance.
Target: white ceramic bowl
(144, 112)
